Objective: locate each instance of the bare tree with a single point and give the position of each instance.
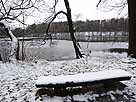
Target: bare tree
(7, 49)
(70, 24)
(11, 10)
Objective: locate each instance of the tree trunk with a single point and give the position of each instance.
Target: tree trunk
(15, 44)
(71, 30)
(17, 51)
(132, 27)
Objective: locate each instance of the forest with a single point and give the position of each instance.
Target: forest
(109, 25)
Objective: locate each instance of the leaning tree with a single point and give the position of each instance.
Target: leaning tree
(70, 25)
(8, 50)
(132, 23)
(11, 10)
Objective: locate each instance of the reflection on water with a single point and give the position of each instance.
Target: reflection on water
(118, 50)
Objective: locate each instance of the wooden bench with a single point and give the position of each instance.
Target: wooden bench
(82, 79)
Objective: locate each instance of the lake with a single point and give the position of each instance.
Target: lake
(63, 50)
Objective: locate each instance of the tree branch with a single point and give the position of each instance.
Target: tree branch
(47, 30)
(98, 3)
(101, 1)
(9, 9)
(3, 6)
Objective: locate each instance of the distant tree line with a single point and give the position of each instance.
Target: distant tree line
(110, 25)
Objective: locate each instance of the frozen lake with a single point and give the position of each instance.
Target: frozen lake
(62, 49)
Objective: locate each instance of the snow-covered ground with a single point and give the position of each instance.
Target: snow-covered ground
(17, 79)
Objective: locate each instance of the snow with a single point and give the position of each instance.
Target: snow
(83, 77)
(17, 79)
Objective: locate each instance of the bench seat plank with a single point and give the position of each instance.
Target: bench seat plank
(83, 78)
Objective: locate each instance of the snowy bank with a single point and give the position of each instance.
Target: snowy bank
(18, 79)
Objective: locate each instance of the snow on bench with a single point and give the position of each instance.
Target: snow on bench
(82, 78)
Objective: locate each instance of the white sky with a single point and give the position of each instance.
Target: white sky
(88, 10)
(85, 8)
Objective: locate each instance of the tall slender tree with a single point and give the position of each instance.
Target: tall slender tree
(132, 24)
(70, 24)
(71, 30)
(132, 27)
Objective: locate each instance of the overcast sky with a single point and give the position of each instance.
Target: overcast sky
(85, 9)
(88, 9)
